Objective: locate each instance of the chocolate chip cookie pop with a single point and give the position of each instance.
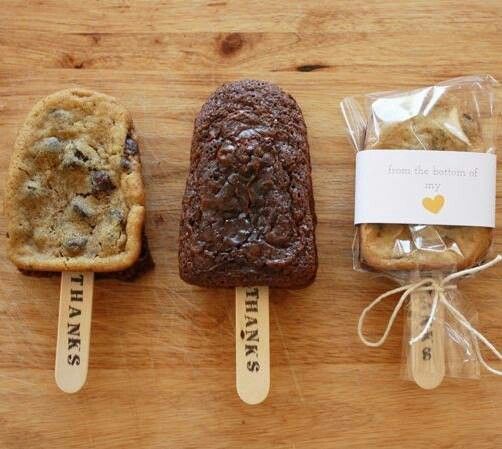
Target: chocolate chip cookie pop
(248, 212)
(448, 125)
(454, 116)
(75, 204)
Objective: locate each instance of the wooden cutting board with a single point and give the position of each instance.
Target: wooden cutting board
(162, 358)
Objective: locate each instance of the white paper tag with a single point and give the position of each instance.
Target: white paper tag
(426, 187)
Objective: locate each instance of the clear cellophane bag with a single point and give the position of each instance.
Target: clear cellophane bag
(455, 115)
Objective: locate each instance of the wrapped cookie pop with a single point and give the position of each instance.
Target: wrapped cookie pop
(432, 162)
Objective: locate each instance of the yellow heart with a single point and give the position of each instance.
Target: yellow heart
(434, 205)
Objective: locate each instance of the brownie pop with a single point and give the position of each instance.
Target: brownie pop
(75, 204)
(248, 211)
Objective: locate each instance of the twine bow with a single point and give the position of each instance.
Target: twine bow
(437, 287)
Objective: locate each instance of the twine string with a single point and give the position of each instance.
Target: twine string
(437, 287)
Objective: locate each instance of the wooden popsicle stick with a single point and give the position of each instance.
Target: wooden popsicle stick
(252, 347)
(427, 355)
(74, 330)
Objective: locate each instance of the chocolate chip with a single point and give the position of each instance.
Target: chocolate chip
(73, 157)
(254, 165)
(125, 164)
(80, 207)
(214, 133)
(81, 156)
(80, 211)
(33, 189)
(267, 159)
(75, 245)
(131, 147)
(32, 185)
(225, 155)
(234, 179)
(50, 144)
(101, 181)
(117, 215)
(62, 115)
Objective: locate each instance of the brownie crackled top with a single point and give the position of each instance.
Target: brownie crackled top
(248, 211)
(75, 197)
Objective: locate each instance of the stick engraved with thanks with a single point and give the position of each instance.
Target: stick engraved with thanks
(74, 326)
(252, 352)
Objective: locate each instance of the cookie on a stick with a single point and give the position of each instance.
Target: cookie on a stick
(449, 123)
(75, 205)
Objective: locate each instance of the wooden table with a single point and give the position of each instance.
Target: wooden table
(162, 358)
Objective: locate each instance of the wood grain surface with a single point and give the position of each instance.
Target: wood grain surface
(161, 372)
